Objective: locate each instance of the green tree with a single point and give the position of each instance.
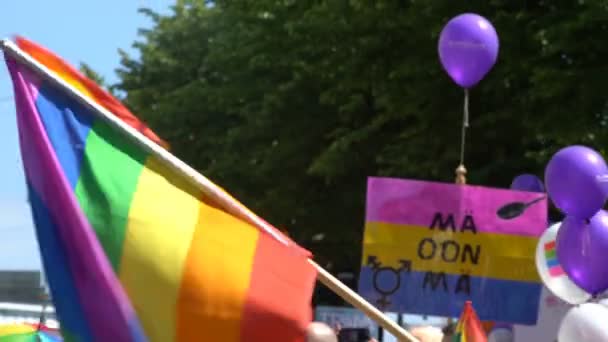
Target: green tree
(290, 105)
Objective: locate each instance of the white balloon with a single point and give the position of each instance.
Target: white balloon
(556, 280)
(585, 323)
(501, 335)
(603, 302)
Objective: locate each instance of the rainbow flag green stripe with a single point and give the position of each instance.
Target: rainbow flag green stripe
(100, 192)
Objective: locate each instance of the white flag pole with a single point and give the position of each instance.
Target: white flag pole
(203, 184)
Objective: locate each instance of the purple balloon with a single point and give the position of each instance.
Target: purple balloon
(581, 250)
(574, 181)
(468, 48)
(527, 182)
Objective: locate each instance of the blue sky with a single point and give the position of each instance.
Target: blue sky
(77, 30)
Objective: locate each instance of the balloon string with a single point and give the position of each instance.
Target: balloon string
(465, 125)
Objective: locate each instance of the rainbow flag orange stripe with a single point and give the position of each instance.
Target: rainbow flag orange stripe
(133, 251)
(85, 85)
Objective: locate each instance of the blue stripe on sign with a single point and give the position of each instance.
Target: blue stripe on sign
(494, 299)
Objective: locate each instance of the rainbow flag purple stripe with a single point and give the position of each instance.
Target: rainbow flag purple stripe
(82, 270)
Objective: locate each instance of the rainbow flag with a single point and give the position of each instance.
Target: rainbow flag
(86, 86)
(26, 332)
(555, 269)
(132, 250)
(469, 328)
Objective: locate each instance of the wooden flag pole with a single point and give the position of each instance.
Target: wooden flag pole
(203, 184)
(357, 301)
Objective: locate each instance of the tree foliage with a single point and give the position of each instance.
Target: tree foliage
(290, 105)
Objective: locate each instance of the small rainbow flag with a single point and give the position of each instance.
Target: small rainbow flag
(133, 251)
(469, 328)
(555, 269)
(27, 332)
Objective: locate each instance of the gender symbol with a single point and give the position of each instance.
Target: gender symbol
(393, 275)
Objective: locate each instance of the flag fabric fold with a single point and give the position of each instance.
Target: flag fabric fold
(132, 250)
(469, 328)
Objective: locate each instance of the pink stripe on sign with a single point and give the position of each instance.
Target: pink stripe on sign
(418, 203)
(556, 271)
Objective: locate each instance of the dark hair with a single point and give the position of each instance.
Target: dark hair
(449, 329)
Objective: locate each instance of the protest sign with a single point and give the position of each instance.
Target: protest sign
(429, 247)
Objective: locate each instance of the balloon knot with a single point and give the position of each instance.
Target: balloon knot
(461, 174)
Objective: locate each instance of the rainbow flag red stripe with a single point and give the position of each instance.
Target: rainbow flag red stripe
(133, 251)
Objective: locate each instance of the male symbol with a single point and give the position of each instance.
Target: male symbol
(385, 271)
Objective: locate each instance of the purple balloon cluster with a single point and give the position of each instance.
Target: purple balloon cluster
(576, 179)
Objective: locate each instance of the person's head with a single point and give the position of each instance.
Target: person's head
(449, 329)
(320, 332)
(501, 335)
(427, 334)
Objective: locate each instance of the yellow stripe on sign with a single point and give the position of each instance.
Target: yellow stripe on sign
(155, 248)
(499, 256)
